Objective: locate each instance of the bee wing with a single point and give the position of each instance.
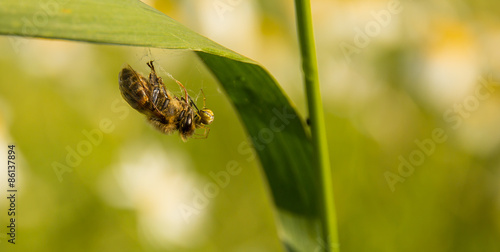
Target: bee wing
(149, 97)
(136, 90)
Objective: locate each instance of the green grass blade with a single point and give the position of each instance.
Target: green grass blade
(318, 129)
(283, 147)
(287, 158)
(125, 22)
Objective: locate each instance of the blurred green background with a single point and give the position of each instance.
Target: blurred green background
(392, 74)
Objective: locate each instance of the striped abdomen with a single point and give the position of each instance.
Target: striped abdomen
(135, 90)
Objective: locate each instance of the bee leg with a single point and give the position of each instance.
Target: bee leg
(154, 95)
(159, 103)
(165, 103)
(191, 102)
(164, 94)
(153, 78)
(150, 65)
(159, 90)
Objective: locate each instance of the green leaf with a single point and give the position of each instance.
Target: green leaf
(277, 131)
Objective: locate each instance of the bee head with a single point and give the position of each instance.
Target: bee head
(206, 116)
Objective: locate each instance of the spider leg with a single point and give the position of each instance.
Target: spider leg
(204, 98)
(185, 91)
(204, 135)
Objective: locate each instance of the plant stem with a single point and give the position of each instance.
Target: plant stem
(318, 130)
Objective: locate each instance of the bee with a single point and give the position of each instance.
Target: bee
(165, 111)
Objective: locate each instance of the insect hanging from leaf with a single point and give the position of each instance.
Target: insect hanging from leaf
(165, 111)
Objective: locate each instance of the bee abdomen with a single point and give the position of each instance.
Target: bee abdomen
(162, 125)
(134, 89)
